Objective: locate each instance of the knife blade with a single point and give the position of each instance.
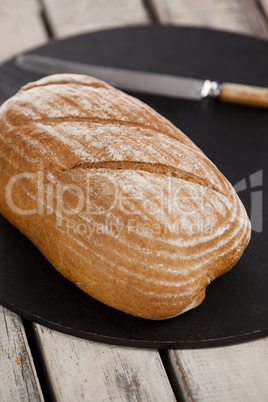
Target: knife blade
(149, 83)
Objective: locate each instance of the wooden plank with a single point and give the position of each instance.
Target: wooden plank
(235, 373)
(264, 5)
(21, 27)
(78, 369)
(18, 378)
(242, 16)
(72, 17)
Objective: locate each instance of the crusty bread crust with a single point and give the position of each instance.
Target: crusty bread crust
(157, 221)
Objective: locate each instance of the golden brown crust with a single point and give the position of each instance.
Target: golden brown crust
(157, 221)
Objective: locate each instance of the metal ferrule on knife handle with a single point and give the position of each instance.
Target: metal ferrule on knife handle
(211, 89)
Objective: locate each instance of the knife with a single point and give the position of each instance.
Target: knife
(150, 83)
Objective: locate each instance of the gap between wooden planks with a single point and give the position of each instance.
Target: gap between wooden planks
(242, 16)
(234, 373)
(18, 378)
(78, 369)
(21, 27)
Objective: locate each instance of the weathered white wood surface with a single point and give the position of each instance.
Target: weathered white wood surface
(79, 370)
(235, 373)
(72, 17)
(243, 16)
(21, 27)
(264, 5)
(18, 378)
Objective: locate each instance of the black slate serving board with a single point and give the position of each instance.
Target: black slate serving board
(235, 138)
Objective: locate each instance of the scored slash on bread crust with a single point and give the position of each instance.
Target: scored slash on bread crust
(75, 130)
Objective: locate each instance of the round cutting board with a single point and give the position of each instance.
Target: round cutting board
(234, 137)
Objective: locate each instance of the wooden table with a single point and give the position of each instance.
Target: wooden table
(38, 363)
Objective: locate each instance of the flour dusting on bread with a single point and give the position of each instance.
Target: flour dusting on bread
(118, 199)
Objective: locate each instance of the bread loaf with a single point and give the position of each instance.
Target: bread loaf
(120, 201)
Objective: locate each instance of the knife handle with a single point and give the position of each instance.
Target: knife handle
(244, 94)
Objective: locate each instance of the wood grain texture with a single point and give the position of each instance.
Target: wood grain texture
(78, 369)
(233, 15)
(18, 378)
(72, 17)
(233, 373)
(264, 5)
(244, 94)
(21, 27)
